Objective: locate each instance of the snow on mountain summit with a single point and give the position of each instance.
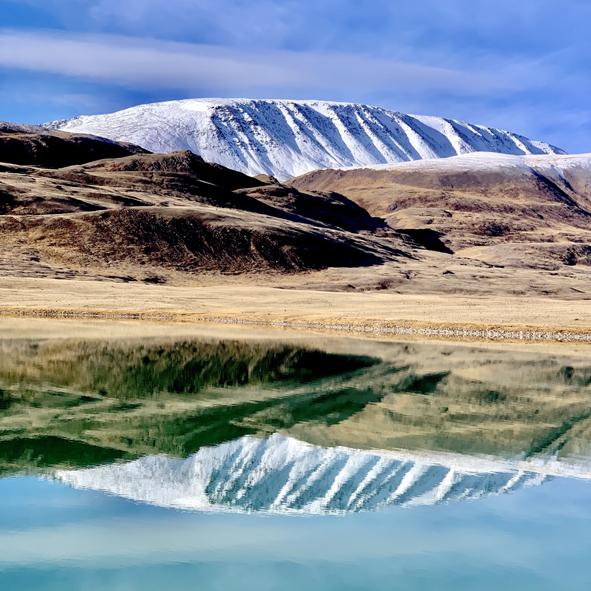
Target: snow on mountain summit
(286, 138)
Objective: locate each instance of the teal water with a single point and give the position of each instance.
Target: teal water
(207, 464)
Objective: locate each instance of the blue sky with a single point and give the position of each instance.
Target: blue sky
(522, 65)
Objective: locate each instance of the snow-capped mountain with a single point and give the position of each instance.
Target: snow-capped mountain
(287, 138)
(547, 164)
(280, 474)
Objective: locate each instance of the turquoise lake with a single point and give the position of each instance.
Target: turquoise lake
(290, 463)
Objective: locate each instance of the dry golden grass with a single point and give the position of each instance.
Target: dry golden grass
(377, 313)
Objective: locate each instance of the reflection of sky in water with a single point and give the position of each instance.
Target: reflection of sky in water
(54, 537)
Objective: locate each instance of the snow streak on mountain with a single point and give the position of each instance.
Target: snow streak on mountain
(280, 474)
(286, 138)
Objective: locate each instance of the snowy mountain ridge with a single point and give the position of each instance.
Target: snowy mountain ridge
(286, 138)
(280, 474)
(489, 161)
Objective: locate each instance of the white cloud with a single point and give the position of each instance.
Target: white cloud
(156, 64)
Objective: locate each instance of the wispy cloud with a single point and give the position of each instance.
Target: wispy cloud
(130, 61)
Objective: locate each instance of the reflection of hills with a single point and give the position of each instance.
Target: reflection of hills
(81, 403)
(147, 368)
(281, 474)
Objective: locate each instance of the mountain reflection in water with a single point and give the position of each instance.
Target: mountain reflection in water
(281, 474)
(265, 426)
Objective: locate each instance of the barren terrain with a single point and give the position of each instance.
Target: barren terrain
(476, 242)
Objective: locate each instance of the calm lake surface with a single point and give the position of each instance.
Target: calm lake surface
(206, 463)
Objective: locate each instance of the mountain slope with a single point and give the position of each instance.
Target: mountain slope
(140, 215)
(508, 210)
(37, 146)
(286, 138)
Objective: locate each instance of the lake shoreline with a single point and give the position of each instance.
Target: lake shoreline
(469, 333)
(384, 315)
